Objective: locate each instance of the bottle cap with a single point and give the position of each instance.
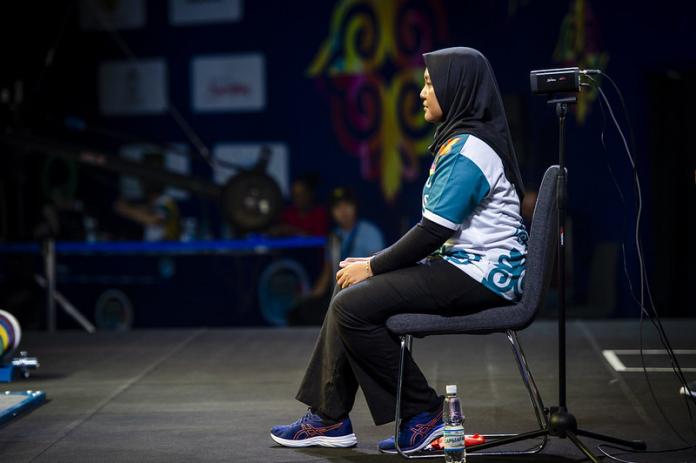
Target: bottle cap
(451, 389)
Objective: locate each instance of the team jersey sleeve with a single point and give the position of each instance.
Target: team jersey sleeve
(455, 187)
(419, 242)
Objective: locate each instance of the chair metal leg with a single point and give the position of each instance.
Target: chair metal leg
(495, 439)
(537, 405)
(406, 343)
(399, 384)
(510, 439)
(528, 379)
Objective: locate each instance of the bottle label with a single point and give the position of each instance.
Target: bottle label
(453, 438)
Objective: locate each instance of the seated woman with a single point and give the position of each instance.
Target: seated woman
(467, 253)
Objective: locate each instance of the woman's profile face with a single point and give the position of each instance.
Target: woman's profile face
(431, 107)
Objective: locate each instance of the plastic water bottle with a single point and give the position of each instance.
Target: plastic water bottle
(453, 435)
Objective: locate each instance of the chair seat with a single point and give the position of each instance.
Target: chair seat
(493, 320)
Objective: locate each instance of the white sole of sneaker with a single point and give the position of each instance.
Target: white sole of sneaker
(437, 432)
(349, 440)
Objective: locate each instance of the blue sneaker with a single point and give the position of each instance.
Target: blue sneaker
(416, 433)
(310, 430)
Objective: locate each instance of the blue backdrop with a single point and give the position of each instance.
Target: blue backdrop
(341, 83)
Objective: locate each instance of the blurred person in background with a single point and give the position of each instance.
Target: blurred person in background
(159, 215)
(528, 205)
(351, 237)
(61, 218)
(303, 217)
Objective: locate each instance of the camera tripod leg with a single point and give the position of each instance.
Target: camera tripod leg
(634, 444)
(582, 447)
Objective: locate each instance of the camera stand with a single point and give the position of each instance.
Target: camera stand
(562, 423)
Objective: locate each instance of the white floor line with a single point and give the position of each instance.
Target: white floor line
(612, 356)
(628, 393)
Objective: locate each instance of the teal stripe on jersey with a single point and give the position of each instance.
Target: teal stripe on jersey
(456, 187)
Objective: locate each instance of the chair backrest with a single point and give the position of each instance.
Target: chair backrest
(542, 245)
(541, 251)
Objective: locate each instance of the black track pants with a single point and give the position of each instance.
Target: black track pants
(355, 348)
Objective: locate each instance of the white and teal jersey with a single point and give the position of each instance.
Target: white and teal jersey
(467, 191)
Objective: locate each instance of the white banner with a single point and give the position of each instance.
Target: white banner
(247, 155)
(112, 14)
(229, 83)
(191, 12)
(131, 88)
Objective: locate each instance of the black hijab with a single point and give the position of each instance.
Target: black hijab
(468, 94)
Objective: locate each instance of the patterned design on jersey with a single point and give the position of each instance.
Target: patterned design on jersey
(467, 192)
(507, 275)
(449, 145)
(459, 256)
(452, 146)
(522, 236)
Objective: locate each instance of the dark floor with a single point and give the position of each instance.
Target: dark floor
(212, 395)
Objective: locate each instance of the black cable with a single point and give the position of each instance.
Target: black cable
(625, 266)
(601, 448)
(646, 287)
(640, 303)
(677, 371)
(179, 120)
(658, 325)
(644, 283)
(50, 55)
(631, 134)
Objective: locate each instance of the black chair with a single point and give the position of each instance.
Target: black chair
(505, 319)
